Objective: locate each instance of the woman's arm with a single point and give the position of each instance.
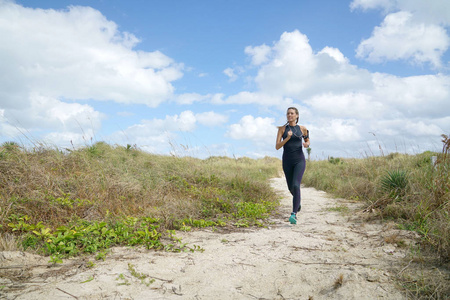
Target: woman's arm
(306, 143)
(280, 143)
(305, 134)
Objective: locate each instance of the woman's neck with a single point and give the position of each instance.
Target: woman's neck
(292, 124)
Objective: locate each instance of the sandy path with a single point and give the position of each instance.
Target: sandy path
(284, 261)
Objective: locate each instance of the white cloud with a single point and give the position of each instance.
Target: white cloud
(390, 97)
(218, 98)
(288, 71)
(339, 102)
(73, 54)
(190, 98)
(233, 73)
(410, 129)
(401, 38)
(259, 54)
(186, 121)
(46, 113)
(347, 105)
(8, 131)
(335, 130)
(443, 123)
(69, 139)
(77, 54)
(254, 98)
(294, 70)
(414, 96)
(430, 11)
(155, 135)
(412, 30)
(53, 58)
(365, 5)
(335, 54)
(211, 118)
(230, 73)
(258, 129)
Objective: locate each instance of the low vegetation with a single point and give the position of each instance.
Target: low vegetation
(412, 190)
(66, 203)
(63, 203)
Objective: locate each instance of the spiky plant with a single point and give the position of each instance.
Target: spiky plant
(10, 146)
(395, 183)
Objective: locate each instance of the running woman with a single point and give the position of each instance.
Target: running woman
(290, 138)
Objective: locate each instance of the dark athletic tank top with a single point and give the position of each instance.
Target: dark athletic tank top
(293, 149)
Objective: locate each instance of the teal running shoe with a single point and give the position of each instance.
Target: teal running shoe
(293, 219)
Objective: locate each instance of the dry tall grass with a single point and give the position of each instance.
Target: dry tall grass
(422, 204)
(410, 189)
(103, 182)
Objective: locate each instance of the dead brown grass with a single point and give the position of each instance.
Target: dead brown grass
(8, 242)
(422, 205)
(102, 182)
(339, 281)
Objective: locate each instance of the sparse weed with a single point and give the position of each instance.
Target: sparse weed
(242, 223)
(88, 280)
(101, 255)
(341, 209)
(140, 276)
(394, 239)
(123, 279)
(339, 281)
(56, 259)
(90, 264)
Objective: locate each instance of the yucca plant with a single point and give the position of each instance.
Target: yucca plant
(335, 161)
(395, 183)
(10, 146)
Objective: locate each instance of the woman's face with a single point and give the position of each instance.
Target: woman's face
(291, 115)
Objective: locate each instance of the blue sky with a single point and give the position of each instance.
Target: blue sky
(204, 78)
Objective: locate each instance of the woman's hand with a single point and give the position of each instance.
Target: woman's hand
(289, 134)
(306, 144)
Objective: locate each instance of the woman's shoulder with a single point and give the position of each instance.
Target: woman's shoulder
(303, 129)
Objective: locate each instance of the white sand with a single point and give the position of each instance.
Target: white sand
(284, 261)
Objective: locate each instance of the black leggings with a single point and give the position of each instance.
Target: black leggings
(294, 173)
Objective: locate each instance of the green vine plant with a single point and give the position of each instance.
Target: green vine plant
(95, 237)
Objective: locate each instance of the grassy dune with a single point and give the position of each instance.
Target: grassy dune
(84, 201)
(409, 190)
(71, 202)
